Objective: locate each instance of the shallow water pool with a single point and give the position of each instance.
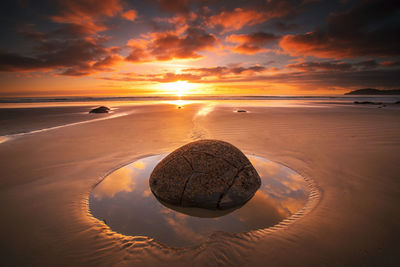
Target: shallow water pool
(124, 201)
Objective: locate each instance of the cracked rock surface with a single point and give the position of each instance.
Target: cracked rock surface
(209, 174)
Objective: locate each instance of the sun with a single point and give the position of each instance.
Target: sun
(178, 88)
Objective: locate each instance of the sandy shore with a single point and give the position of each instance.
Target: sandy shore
(351, 153)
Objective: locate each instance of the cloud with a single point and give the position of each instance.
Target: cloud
(222, 71)
(165, 46)
(180, 6)
(254, 12)
(105, 63)
(75, 47)
(73, 57)
(91, 7)
(129, 15)
(122, 180)
(367, 64)
(368, 29)
(236, 19)
(250, 213)
(321, 66)
(86, 14)
(390, 63)
(282, 26)
(194, 75)
(336, 65)
(11, 62)
(300, 78)
(252, 43)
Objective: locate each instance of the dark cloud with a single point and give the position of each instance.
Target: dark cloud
(221, 71)
(321, 66)
(11, 62)
(174, 6)
(336, 65)
(368, 64)
(282, 26)
(390, 63)
(365, 30)
(74, 47)
(166, 46)
(63, 56)
(253, 42)
(284, 8)
(90, 7)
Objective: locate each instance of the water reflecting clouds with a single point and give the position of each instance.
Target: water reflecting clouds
(125, 201)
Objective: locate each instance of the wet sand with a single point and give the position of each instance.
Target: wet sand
(350, 153)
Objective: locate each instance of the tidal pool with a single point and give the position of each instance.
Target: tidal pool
(124, 201)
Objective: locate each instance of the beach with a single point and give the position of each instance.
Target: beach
(349, 153)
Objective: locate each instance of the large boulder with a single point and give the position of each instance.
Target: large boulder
(207, 174)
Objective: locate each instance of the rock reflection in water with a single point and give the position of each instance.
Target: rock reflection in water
(125, 202)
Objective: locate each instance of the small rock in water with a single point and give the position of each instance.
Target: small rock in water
(207, 174)
(241, 110)
(101, 109)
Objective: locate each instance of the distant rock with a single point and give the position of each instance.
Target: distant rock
(367, 103)
(372, 91)
(208, 174)
(101, 109)
(241, 110)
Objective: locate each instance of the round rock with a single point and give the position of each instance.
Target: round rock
(209, 174)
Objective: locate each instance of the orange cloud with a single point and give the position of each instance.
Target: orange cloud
(237, 19)
(252, 43)
(313, 44)
(85, 13)
(107, 62)
(129, 15)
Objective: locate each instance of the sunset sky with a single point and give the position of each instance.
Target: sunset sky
(184, 47)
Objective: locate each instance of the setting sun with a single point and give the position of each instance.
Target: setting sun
(178, 88)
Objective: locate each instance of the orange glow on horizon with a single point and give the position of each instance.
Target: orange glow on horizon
(179, 88)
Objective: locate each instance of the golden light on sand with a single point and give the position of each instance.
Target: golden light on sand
(178, 88)
(180, 103)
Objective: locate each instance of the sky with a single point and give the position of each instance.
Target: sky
(197, 47)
